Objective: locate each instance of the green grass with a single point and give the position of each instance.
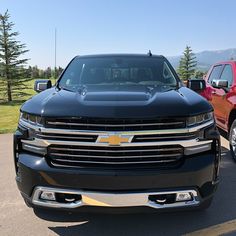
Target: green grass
(9, 114)
(9, 111)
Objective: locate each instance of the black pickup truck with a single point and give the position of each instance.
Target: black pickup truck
(117, 130)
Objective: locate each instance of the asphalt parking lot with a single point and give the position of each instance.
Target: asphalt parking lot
(17, 219)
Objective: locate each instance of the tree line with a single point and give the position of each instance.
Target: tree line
(34, 72)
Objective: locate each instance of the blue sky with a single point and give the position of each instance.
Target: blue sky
(129, 26)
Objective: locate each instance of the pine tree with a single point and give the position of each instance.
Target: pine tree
(35, 72)
(187, 65)
(48, 73)
(11, 62)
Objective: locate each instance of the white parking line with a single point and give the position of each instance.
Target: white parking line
(224, 228)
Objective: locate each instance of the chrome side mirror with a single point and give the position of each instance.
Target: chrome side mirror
(220, 83)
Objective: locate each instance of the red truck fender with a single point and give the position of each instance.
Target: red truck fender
(207, 92)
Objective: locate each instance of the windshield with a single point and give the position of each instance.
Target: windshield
(119, 70)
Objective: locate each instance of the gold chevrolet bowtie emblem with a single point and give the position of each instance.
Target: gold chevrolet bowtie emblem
(115, 140)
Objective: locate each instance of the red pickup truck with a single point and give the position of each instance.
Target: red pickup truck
(220, 91)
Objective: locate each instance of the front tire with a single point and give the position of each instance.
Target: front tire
(232, 140)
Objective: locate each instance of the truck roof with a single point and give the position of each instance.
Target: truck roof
(120, 55)
(225, 62)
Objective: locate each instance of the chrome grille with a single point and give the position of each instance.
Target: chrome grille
(100, 124)
(69, 155)
(67, 137)
(85, 149)
(136, 139)
(163, 137)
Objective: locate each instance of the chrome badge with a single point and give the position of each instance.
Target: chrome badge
(115, 139)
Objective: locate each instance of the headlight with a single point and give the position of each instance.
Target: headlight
(31, 119)
(200, 119)
(30, 123)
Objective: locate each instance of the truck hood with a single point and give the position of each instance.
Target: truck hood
(120, 102)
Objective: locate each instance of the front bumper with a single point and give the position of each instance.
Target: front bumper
(197, 174)
(106, 199)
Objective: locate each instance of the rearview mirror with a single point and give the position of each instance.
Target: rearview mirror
(196, 85)
(219, 84)
(41, 85)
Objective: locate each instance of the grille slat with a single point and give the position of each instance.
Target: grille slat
(64, 137)
(116, 151)
(68, 137)
(163, 137)
(110, 125)
(109, 155)
(91, 156)
(59, 162)
(100, 124)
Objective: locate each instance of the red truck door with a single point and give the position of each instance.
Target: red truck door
(219, 95)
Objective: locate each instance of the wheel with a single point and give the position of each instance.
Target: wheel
(232, 140)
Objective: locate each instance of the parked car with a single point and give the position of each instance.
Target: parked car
(117, 131)
(220, 91)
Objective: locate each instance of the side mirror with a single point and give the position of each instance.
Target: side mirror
(220, 84)
(196, 85)
(41, 85)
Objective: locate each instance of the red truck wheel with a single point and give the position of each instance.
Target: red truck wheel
(232, 140)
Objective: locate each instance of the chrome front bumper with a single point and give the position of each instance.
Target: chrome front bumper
(104, 199)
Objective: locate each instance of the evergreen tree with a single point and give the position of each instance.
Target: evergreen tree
(187, 64)
(35, 72)
(48, 73)
(55, 73)
(60, 69)
(11, 62)
(28, 73)
(41, 73)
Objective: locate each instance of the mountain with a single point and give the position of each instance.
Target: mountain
(206, 58)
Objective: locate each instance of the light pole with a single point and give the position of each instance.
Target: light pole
(55, 54)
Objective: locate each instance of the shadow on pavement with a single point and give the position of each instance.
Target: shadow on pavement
(128, 224)
(173, 223)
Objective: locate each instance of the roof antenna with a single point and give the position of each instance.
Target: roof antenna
(149, 53)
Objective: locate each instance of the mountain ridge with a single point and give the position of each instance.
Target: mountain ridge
(207, 57)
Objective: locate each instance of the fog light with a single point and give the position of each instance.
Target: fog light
(46, 195)
(184, 196)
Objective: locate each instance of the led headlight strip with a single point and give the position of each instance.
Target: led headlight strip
(32, 120)
(200, 119)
